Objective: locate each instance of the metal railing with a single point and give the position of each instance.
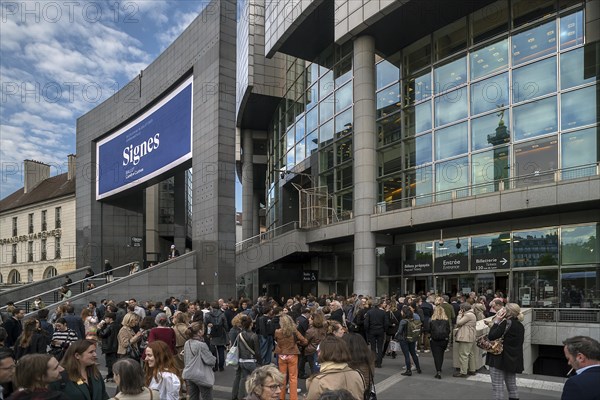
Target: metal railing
(53, 295)
(568, 315)
(535, 179)
(268, 235)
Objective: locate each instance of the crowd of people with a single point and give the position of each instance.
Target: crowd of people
(172, 350)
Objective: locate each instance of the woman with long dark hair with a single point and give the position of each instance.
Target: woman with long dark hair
(361, 356)
(33, 374)
(32, 340)
(81, 366)
(129, 378)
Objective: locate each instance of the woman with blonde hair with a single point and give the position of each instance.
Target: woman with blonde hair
(128, 338)
(161, 373)
(505, 366)
(265, 383)
(334, 328)
(288, 338)
(440, 332)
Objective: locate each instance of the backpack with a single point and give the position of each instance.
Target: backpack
(413, 330)
(217, 329)
(440, 329)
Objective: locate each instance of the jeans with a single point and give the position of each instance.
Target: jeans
(266, 348)
(409, 350)
(197, 392)
(288, 365)
(242, 372)
(376, 341)
(438, 347)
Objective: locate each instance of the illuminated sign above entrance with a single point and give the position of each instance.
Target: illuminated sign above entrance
(489, 262)
(412, 267)
(453, 263)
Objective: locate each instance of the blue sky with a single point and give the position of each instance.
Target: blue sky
(58, 60)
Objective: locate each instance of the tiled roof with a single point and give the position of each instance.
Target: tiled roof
(53, 187)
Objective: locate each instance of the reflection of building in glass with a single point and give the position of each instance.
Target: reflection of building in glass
(532, 250)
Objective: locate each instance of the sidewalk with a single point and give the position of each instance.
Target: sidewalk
(391, 385)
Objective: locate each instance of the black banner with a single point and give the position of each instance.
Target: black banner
(452, 264)
(310, 276)
(412, 267)
(489, 262)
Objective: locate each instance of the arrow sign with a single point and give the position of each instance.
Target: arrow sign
(486, 262)
(503, 261)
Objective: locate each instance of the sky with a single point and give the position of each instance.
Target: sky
(60, 59)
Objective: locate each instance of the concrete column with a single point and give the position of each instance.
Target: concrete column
(365, 164)
(247, 185)
(179, 226)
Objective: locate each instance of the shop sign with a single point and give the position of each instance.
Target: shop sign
(451, 264)
(136, 241)
(489, 262)
(412, 267)
(310, 276)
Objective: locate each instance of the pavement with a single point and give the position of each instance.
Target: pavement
(391, 385)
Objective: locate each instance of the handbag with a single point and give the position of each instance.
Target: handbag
(197, 371)
(496, 346)
(395, 345)
(133, 352)
(233, 355)
(369, 393)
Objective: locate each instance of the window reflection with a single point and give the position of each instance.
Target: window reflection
(386, 73)
(291, 139)
(417, 119)
(571, 30)
(490, 21)
(572, 69)
(417, 56)
(450, 39)
(534, 43)
(326, 109)
(300, 152)
(326, 157)
(580, 287)
(388, 130)
(526, 10)
(417, 88)
(326, 85)
(491, 245)
(312, 119)
(450, 175)
(451, 107)
(450, 76)
(488, 169)
(578, 108)
(490, 130)
(418, 184)
(343, 71)
(343, 123)
(391, 159)
(300, 129)
(326, 133)
(388, 100)
(535, 118)
(417, 151)
(489, 94)
(489, 59)
(451, 141)
(580, 244)
(343, 151)
(534, 80)
(535, 248)
(343, 97)
(579, 148)
(536, 161)
(312, 142)
(537, 288)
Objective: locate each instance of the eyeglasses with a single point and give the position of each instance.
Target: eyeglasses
(273, 387)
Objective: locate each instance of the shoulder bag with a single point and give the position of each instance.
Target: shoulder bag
(494, 347)
(233, 355)
(197, 371)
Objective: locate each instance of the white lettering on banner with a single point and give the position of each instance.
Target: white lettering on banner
(133, 153)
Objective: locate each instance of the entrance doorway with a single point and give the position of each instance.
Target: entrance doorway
(419, 284)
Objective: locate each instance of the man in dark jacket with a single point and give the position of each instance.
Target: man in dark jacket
(583, 354)
(216, 330)
(376, 324)
(13, 327)
(74, 322)
(108, 331)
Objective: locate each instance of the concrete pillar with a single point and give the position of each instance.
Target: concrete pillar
(365, 164)
(247, 186)
(180, 226)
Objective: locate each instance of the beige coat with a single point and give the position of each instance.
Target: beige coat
(335, 376)
(465, 325)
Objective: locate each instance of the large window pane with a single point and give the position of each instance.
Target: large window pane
(417, 151)
(450, 39)
(580, 287)
(580, 148)
(490, 21)
(419, 184)
(417, 119)
(388, 130)
(525, 11)
(290, 138)
(343, 97)
(390, 160)
(450, 175)
(343, 151)
(489, 94)
(490, 130)
(573, 72)
(489, 246)
(300, 129)
(417, 88)
(451, 141)
(312, 142)
(391, 188)
(580, 244)
(488, 169)
(300, 152)
(534, 80)
(450, 76)
(388, 100)
(535, 118)
(451, 107)
(534, 43)
(343, 178)
(536, 248)
(490, 59)
(417, 56)
(312, 119)
(536, 161)
(343, 123)
(536, 288)
(327, 158)
(571, 30)
(326, 133)
(578, 108)
(326, 85)
(326, 109)
(386, 73)
(343, 71)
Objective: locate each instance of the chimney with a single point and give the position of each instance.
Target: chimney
(71, 167)
(34, 174)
